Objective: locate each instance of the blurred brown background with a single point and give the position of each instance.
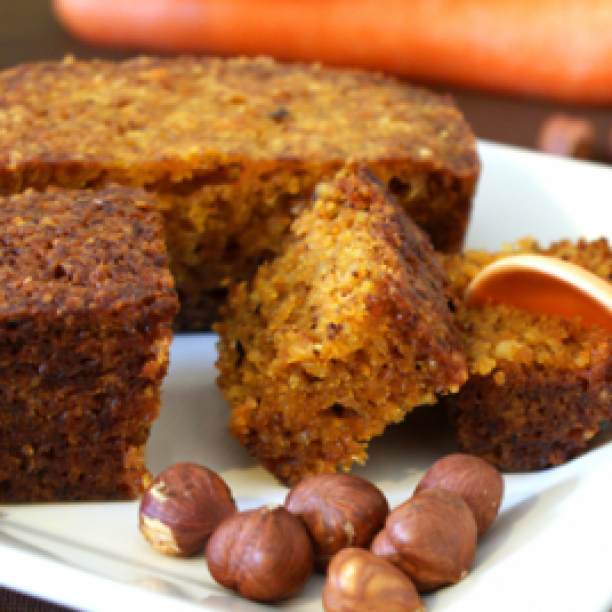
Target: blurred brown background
(28, 32)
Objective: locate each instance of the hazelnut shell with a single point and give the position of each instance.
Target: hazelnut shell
(568, 136)
(358, 581)
(434, 534)
(339, 511)
(181, 508)
(479, 484)
(382, 547)
(264, 554)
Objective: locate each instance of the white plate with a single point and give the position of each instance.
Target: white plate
(548, 550)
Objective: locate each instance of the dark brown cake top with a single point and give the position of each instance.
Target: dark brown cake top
(196, 113)
(69, 251)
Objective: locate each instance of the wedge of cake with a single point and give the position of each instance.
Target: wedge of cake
(346, 331)
(232, 148)
(86, 305)
(539, 385)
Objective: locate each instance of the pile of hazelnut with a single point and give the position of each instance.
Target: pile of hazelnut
(340, 524)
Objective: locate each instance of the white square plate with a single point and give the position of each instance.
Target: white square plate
(548, 550)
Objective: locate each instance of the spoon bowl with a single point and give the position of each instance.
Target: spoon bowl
(543, 284)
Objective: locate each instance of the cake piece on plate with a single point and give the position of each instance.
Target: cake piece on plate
(233, 149)
(539, 385)
(86, 305)
(346, 331)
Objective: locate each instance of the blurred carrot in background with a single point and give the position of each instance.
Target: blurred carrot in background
(559, 49)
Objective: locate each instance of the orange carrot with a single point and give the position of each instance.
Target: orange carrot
(558, 49)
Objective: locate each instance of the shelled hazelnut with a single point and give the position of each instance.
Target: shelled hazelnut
(383, 547)
(330, 520)
(358, 581)
(264, 554)
(479, 484)
(339, 511)
(431, 537)
(181, 508)
(568, 136)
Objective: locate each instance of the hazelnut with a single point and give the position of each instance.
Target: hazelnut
(568, 136)
(264, 554)
(476, 481)
(182, 507)
(358, 581)
(433, 535)
(382, 547)
(339, 511)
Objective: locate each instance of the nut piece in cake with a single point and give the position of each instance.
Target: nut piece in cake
(86, 304)
(342, 334)
(232, 148)
(539, 385)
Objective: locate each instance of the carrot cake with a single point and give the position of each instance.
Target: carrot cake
(232, 148)
(86, 305)
(346, 331)
(539, 385)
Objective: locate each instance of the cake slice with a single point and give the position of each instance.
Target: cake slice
(232, 148)
(539, 386)
(86, 305)
(346, 331)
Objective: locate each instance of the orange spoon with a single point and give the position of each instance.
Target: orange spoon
(546, 285)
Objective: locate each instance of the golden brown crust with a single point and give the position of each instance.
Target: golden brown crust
(166, 117)
(233, 149)
(86, 304)
(343, 333)
(539, 386)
